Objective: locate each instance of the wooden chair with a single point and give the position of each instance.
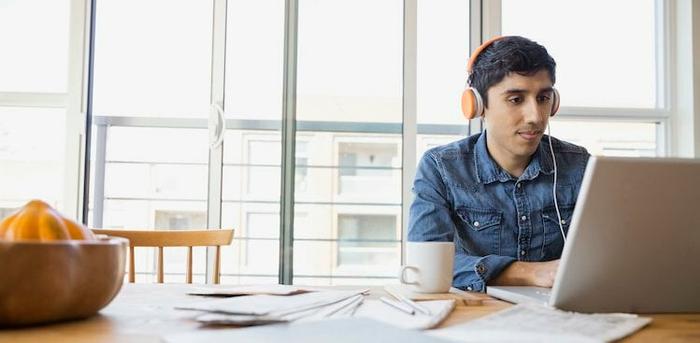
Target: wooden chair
(172, 238)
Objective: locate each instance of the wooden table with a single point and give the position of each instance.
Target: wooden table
(144, 313)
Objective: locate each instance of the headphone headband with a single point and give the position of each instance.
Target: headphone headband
(477, 52)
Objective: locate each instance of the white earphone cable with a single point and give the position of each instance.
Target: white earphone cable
(554, 186)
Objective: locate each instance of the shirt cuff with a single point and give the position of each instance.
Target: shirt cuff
(490, 266)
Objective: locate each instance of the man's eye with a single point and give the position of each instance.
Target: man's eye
(543, 98)
(515, 100)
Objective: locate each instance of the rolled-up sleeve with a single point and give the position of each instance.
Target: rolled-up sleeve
(431, 219)
(472, 273)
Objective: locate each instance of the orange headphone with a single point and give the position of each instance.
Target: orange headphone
(473, 103)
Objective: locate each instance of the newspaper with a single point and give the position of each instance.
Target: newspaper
(535, 323)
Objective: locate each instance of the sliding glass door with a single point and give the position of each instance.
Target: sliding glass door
(150, 140)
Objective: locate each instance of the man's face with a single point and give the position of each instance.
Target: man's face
(517, 114)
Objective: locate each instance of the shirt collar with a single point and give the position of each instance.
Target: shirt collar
(488, 171)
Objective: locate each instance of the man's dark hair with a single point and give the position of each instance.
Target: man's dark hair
(510, 54)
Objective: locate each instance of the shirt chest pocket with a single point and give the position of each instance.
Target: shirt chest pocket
(553, 243)
(479, 230)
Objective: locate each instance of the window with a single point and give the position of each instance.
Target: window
(152, 86)
(588, 75)
(262, 232)
(35, 55)
(367, 240)
(153, 166)
(149, 169)
(611, 138)
(254, 62)
(31, 168)
(441, 72)
(173, 220)
(349, 112)
(263, 171)
(252, 147)
(147, 70)
(301, 160)
(33, 112)
(250, 194)
(443, 51)
(592, 79)
(337, 58)
(368, 168)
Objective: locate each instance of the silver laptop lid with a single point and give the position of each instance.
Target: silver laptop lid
(634, 241)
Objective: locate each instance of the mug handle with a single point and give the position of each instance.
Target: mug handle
(402, 275)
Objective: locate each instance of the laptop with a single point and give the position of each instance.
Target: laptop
(633, 244)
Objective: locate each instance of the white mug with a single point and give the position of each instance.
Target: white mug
(428, 266)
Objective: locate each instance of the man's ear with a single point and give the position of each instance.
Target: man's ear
(486, 102)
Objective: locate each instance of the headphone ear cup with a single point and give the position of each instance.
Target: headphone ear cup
(468, 104)
(555, 102)
(472, 105)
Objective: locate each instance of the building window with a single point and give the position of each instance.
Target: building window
(367, 167)
(366, 240)
(611, 138)
(180, 220)
(301, 154)
(262, 233)
(263, 169)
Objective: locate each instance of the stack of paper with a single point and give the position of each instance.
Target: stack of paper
(341, 330)
(231, 291)
(438, 310)
(535, 323)
(466, 298)
(264, 308)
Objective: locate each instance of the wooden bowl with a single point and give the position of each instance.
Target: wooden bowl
(43, 282)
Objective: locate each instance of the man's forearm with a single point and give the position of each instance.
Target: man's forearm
(527, 274)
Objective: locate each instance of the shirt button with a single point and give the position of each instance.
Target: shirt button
(476, 224)
(480, 268)
(563, 221)
(469, 288)
(523, 218)
(519, 185)
(522, 252)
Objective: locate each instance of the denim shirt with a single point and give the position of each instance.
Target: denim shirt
(462, 195)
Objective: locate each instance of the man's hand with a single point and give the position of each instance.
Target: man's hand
(540, 274)
(544, 273)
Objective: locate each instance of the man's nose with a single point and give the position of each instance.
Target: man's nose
(534, 112)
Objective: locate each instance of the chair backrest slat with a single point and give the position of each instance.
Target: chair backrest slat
(132, 268)
(217, 264)
(172, 238)
(160, 265)
(188, 278)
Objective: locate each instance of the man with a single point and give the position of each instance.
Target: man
(492, 193)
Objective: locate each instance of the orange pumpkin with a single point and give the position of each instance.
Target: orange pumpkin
(39, 221)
